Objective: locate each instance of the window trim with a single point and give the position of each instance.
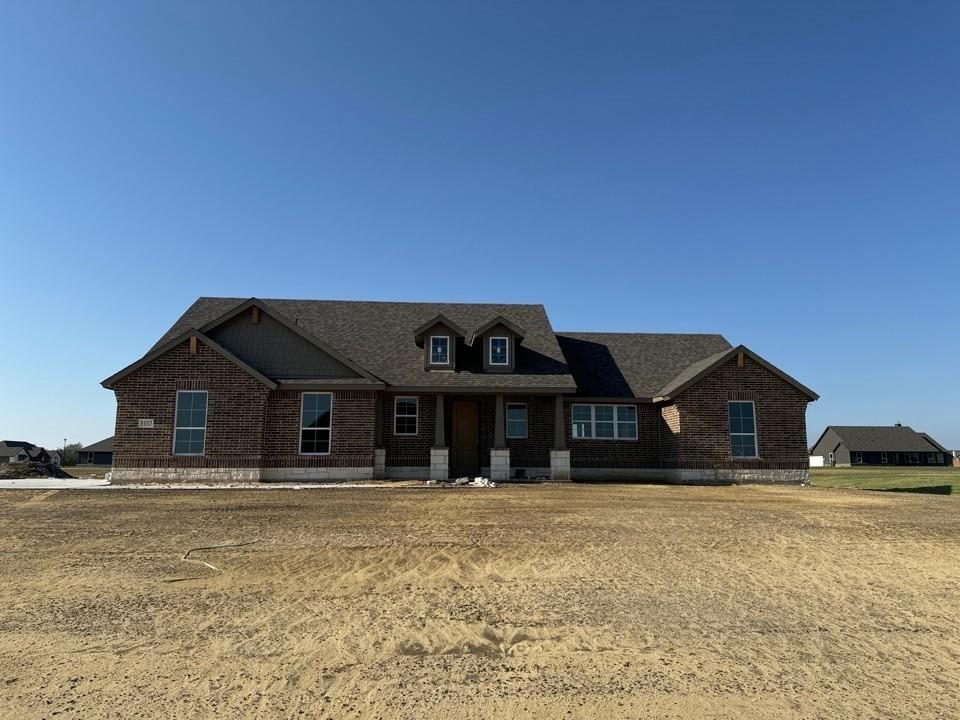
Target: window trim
(755, 434)
(506, 356)
(430, 351)
(593, 422)
(526, 421)
(856, 457)
(415, 416)
(883, 457)
(176, 410)
(303, 396)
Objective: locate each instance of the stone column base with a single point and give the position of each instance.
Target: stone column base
(500, 464)
(439, 463)
(560, 465)
(379, 463)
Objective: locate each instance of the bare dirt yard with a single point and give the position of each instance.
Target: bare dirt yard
(520, 602)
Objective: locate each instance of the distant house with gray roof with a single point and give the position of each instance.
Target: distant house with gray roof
(99, 453)
(22, 451)
(879, 445)
(251, 389)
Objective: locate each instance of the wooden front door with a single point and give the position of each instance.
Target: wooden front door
(465, 460)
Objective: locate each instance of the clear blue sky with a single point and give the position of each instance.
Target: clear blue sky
(787, 174)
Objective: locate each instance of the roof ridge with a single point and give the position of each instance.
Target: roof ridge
(368, 302)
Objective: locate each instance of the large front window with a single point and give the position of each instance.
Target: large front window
(405, 411)
(190, 427)
(440, 350)
(315, 421)
(743, 430)
(604, 422)
(499, 352)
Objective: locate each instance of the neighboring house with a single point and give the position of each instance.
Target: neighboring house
(20, 451)
(55, 457)
(846, 445)
(304, 390)
(100, 453)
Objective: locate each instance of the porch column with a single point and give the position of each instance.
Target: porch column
(499, 453)
(438, 438)
(379, 452)
(559, 455)
(559, 434)
(439, 453)
(498, 436)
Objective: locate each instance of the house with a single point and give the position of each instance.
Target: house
(846, 445)
(55, 457)
(312, 390)
(21, 451)
(100, 453)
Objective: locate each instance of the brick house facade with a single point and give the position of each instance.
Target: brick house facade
(316, 390)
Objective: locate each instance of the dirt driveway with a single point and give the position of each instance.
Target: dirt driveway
(526, 602)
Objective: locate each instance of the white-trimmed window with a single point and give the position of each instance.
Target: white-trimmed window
(858, 458)
(439, 350)
(499, 351)
(743, 429)
(883, 458)
(516, 420)
(830, 456)
(406, 413)
(603, 422)
(190, 426)
(316, 415)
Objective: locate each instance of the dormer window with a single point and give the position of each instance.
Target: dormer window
(439, 350)
(499, 351)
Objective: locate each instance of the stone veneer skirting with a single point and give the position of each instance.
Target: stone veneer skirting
(693, 476)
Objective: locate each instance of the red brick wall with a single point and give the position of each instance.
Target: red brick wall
(780, 419)
(408, 450)
(352, 432)
(235, 410)
(628, 454)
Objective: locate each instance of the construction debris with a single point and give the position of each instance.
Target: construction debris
(25, 470)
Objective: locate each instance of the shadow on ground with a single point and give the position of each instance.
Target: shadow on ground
(926, 489)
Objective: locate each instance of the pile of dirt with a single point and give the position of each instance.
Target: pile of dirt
(17, 471)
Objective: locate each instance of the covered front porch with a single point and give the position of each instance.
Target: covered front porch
(502, 436)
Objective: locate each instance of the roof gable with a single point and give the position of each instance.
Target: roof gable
(176, 342)
(704, 367)
(276, 350)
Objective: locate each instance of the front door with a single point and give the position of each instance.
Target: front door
(466, 439)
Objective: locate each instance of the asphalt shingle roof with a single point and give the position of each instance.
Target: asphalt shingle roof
(379, 336)
(105, 445)
(893, 438)
(636, 364)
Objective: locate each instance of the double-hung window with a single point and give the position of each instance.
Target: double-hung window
(439, 350)
(743, 429)
(858, 458)
(883, 458)
(499, 351)
(603, 422)
(516, 420)
(190, 427)
(316, 411)
(405, 415)
(931, 458)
